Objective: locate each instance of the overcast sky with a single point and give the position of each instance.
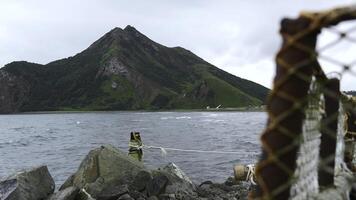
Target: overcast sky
(239, 36)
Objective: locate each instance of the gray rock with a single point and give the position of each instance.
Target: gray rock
(141, 180)
(125, 197)
(34, 184)
(231, 181)
(212, 191)
(174, 169)
(113, 192)
(69, 193)
(67, 183)
(157, 185)
(104, 167)
(167, 197)
(113, 67)
(14, 92)
(178, 183)
(152, 198)
(137, 195)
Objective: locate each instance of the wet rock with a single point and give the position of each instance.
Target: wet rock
(140, 181)
(34, 184)
(157, 185)
(152, 198)
(174, 169)
(231, 181)
(69, 193)
(68, 182)
(178, 183)
(167, 197)
(137, 195)
(113, 193)
(212, 191)
(104, 167)
(125, 197)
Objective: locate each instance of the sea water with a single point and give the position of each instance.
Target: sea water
(61, 140)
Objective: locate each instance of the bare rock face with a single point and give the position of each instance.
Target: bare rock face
(34, 184)
(113, 67)
(13, 92)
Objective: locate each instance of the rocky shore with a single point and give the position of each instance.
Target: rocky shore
(106, 173)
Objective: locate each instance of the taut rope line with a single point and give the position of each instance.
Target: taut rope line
(164, 149)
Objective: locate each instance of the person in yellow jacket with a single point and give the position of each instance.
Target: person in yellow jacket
(135, 146)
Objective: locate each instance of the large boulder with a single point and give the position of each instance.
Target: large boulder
(173, 169)
(219, 191)
(140, 181)
(171, 181)
(69, 193)
(113, 192)
(103, 168)
(33, 184)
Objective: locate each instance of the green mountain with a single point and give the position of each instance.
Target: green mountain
(124, 70)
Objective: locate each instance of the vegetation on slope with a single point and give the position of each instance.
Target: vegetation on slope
(125, 70)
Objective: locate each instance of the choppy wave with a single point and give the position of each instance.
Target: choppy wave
(61, 142)
(183, 117)
(175, 117)
(14, 143)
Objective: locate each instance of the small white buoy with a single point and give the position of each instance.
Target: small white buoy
(78, 122)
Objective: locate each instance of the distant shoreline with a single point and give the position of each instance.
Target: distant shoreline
(242, 109)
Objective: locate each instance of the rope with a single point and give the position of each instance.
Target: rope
(251, 173)
(251, 167)
(164, 149)
(86, 193)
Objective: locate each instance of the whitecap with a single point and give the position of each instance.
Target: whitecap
(165, 118)
(183, 117)
(211, 115)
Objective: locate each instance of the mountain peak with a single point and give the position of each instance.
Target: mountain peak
(106, 40)
(119, 33)
(130, 28)
(129, 34)
(116, 30)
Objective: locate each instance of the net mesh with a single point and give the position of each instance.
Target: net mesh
(306, 173)
(308, 146)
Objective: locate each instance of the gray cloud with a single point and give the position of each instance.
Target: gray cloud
(238, 36)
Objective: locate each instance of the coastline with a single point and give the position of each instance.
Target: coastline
(120, 176)
(240, 109)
